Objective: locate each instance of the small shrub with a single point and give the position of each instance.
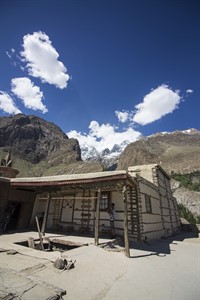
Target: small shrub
(188, 215)
(186, 180)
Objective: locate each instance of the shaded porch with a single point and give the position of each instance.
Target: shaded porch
(79, 203)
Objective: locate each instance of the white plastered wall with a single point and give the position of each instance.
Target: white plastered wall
(116, 197)
(167, 208)
(151, 226)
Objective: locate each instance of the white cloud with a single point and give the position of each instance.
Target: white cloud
(30, 95)
(103, 136)
(7, 104)
(189, 91)
(13, 57)
(8, 54)
(123, 116)
(41, 60)
(159, 102)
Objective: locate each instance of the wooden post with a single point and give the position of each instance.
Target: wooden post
(39, 232)
(46, 213)
(97, 216)
(126, 240)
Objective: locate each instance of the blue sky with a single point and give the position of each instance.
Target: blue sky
(104, 71)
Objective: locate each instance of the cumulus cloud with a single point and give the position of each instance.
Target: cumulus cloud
(123, 116)
(41, 60)
(103, 136)
(189, 91)
(7, 104)
(158, 103)
(8, 54)
(30, 94)
(13, 56)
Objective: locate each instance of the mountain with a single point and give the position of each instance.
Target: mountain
(35, 139)
(40, 148)
(189, 198)
(107, 157)
(177, 152)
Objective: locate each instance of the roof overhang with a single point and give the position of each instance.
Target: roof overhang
(75, 180)
(4, 179)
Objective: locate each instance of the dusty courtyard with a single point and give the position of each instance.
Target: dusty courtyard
(166, 269)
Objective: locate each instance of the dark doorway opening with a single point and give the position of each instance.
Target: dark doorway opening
(15, 208)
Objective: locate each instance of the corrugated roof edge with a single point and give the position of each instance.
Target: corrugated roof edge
(73, 178)
(132, 168)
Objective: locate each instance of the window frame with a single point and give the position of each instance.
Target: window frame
(103, 206)
(148, 204)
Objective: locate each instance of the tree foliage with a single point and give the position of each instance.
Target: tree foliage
(189, 180)
(188, 215)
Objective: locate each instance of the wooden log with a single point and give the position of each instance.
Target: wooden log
(31, 242)
(126, 239)
(97, 215)
(46, 214)
(39, 233)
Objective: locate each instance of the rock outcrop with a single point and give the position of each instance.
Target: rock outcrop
(178, 151)
(34, 139)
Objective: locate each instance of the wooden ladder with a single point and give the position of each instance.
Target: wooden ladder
(56, 213)
(169, 199)
(155, 181)
(134, 213)
(86, 212)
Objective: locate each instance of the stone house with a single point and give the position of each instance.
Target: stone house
(158, 208)
(144, 205)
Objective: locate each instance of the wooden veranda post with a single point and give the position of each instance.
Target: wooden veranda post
(126, 239)
(96, 239)
(46, 213)
(39, 233)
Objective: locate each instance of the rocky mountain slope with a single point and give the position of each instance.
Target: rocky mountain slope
(177, 152)
(40, 147)
(190, 199)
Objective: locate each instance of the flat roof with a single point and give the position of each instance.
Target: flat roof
(147, 167)
(73, 179)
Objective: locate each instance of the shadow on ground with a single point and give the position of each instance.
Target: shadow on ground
(161, 247)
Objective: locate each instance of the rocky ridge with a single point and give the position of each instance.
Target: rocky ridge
(40, 147)
(190, 199)
(177, 152)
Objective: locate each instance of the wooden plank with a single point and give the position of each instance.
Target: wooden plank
(97, 216)
(39, 233)
(46, 213)
(85, 214)
(85, 220)
(85, 206)
(126, 240)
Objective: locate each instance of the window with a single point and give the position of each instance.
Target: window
(67, 208)
(148, 204)
(105, 200)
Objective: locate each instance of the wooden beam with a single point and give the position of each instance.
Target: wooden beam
(39, 233)
(97, 216)
(46, 213)
(126, 239)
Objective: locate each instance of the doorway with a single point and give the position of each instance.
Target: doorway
(14, 211)
(67, 209)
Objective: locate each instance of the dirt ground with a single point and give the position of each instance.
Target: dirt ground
(164, 269)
